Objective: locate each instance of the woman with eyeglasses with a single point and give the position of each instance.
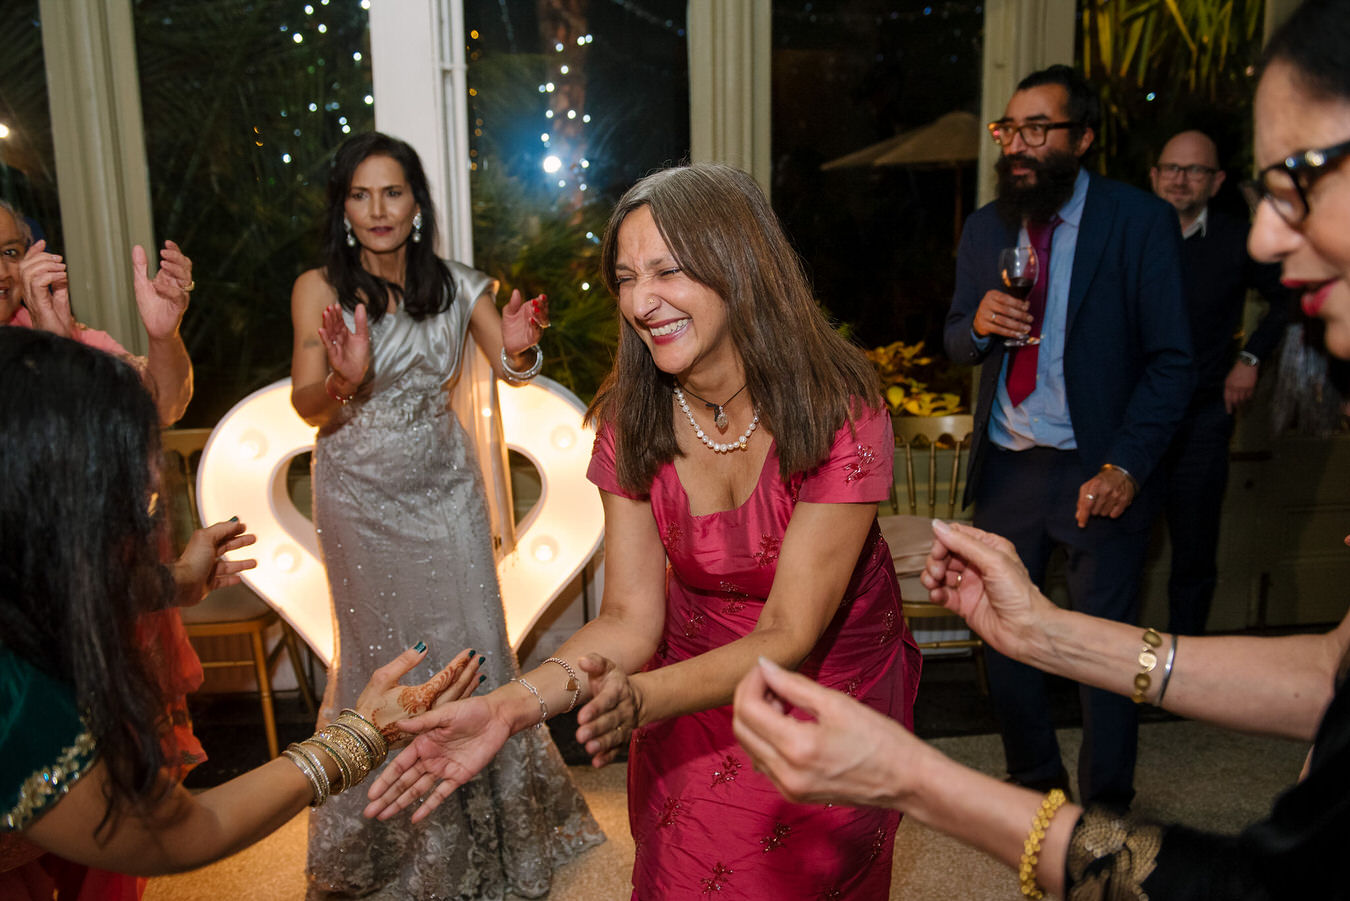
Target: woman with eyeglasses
(821, 746)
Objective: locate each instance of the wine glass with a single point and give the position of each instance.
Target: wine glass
(1018, 267)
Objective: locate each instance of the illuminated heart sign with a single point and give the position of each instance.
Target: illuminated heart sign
(243, 473)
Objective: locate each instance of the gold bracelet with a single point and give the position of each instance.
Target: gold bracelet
(1031, 848)
(343, 766)
(543, 708)
(360, 757)
(311, 766)
(572, 684)
(1148, 661)
(375, 739)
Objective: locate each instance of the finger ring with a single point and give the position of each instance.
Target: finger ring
(1092, 497)
(993, 317)
(959, 577)
(190, 286)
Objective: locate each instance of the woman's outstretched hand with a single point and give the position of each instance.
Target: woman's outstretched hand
(451, 745)
(818, 745)
(162, 300)
(978, 576)
(386, 703)
(523, 322)
(348, 350)
(202, 567)
(607, 721)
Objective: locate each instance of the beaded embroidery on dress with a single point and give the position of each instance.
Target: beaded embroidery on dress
(400, 508)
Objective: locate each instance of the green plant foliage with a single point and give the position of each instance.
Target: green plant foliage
(543, 248)
(919, 384)
(1166, 65)
(220, 120)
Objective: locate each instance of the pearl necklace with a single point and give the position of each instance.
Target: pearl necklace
(738, 444)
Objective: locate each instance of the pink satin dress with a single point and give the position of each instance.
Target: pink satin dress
(704, 823)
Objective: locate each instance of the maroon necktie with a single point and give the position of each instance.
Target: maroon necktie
(1022, 366)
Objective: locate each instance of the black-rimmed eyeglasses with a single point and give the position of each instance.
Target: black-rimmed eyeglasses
(1172, 170)
(1033, 133)
(1286, 184)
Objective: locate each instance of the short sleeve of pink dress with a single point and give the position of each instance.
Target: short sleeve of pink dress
(703, 821)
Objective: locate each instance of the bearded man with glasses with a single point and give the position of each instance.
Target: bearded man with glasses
(1069, 432)
(1218, 273)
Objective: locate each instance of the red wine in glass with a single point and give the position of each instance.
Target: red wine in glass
(1018, 267)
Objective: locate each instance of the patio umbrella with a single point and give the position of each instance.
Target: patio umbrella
(950, 141)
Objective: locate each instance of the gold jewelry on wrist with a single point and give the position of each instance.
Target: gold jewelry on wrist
(312, 767)
(307, 770)
(345, 769)
(1031, 848)
(352, 742)
(543, 708)
(1148, 661)
(1167, 670)
(353, 745)
(572, 684)
(1111, 467)
(363, 727)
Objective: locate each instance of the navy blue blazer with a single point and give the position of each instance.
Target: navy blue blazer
(1128, 367)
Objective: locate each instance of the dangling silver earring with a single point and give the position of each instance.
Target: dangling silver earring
(351, 238)
(417, 227)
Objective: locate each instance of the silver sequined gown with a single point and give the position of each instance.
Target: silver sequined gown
(402, 519)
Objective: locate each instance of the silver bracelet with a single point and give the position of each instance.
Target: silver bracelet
(543, 708)
(1167, 670)
(528, 374)
(572, 684)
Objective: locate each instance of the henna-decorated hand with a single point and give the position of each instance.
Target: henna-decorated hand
(384, 702)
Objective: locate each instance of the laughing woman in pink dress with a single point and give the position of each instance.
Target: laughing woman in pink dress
(742, 451)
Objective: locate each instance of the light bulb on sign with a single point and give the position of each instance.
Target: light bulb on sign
(544, 549)
(252, 444)
(286, 559)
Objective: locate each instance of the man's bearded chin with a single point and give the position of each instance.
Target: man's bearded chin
(1020, 201)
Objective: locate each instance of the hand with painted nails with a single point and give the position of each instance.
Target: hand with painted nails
(202, 567)
(348, 349)
(386, 703)
(523, 324)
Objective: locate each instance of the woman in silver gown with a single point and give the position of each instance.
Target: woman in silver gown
(401, 512)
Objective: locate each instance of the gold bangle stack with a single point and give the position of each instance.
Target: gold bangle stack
(572, 684)
(1031, 848)
(352, 742)
(1148, 661)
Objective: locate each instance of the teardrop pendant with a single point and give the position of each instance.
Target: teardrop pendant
(720, 418)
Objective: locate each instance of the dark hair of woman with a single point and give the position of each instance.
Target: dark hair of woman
(427, 287)
(1314, 40)
(806, 380)
(79, 545)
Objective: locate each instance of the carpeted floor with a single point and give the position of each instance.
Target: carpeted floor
(1187, 772)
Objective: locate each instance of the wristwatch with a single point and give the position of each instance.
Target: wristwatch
(1247, 358)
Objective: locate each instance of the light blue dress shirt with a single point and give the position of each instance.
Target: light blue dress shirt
(1042, 419)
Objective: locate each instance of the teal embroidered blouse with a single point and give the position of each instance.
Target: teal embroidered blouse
(44, 745)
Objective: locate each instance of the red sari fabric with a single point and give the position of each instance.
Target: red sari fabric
(703, 821)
